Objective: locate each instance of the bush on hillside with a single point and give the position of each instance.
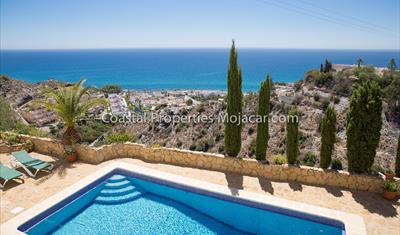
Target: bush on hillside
(310, 159)
(364, 124)
(120, 137)
(292, 137)
(328, 137)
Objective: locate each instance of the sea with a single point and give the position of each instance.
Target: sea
(163, 69)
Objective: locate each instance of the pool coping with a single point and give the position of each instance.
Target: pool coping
(354, 224)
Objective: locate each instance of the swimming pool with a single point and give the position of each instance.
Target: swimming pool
(123, 200)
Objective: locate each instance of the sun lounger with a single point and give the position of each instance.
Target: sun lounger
(7, 174)
(31, 165)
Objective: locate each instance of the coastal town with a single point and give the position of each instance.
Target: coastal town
(22, 99)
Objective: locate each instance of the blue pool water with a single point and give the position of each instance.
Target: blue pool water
(122, 204)
(176, 68)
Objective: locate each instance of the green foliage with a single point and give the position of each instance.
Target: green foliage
(233, 128)
(327, 66)
(180, 127)
(10, 138)
(359, 62)
(310, 159)
(91, 129)
(200, 108)
(279, 159)
(364, 123)
(319, 79)
(189, 102)
(325, 103)
(392, 65)
(192, 147)
(392, 92)
(390, 186)
(316, 96)
(7, 116)
(120, 137)
(365, 73)
(336, 100)
(263, 111)
(336, 164)
(221, 149)
(252, 147)
(68, 150)
(32, 130)
(292, 137)
(109, 89)
(66, 103)
(398, 158)
(328, 137)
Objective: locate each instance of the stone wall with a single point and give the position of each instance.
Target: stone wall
(217, 162)
(5, 148)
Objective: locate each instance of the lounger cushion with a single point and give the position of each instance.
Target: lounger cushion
(7, 173)
(24, 158)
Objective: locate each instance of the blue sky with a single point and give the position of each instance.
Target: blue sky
(63, 24)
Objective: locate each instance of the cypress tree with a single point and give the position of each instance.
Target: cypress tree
(398, 158)
(233, 126)
(363, 128)
(292, 137)
(328, 137)
(263, 111)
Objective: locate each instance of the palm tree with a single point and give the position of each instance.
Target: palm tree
(359, 62)
(67, 104)
(392, 65)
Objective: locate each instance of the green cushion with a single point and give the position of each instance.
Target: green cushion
(7, 173)
(24, 158)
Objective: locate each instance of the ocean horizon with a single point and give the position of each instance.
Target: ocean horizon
(176, 68)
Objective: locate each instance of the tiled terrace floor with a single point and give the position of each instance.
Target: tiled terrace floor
(381, 217)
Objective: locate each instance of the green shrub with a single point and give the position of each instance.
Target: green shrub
(262, 127)
(363, 128)
(328, 137)
(376, 169)
(180, 127)
(192, 147)
(316, 96)
(7, 116)
(336, 100)
(111, 89)
(21, 128)
(292, 137)
(279, 159)
(200, 108)
(390, 186)
(233, 129)
(120, 137)
(324, 104)
(309, 159)
(252, 147)
(336, 164)
(397, 167)
(221, 149)
(92, 129)
(189, 102)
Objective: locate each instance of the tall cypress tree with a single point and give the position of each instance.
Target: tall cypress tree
(292, 137)
(398, 158)
(328, 137)
(263, 111)
(363, 129)
(233, 125)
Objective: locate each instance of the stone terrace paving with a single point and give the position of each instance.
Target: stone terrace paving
(380, 216)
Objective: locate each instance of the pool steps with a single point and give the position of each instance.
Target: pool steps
(118, 189)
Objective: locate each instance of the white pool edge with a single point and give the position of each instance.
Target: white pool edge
(354, 224)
